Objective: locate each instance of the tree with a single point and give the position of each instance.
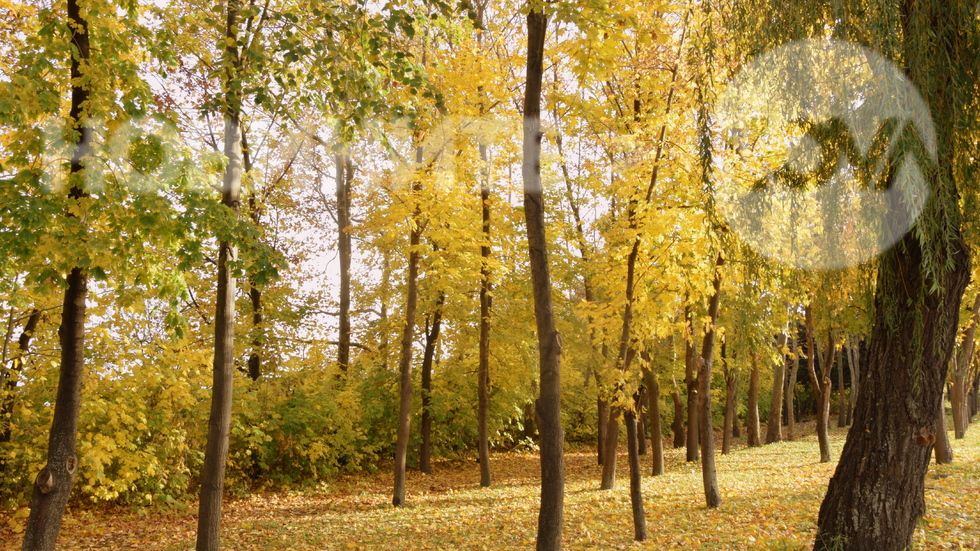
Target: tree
(820, 381)
(219, 423)
(920, 284)
(548, 405)
(53, 484)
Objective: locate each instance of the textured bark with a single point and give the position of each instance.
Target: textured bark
(774, 425)
(636, 495)
(431, 337)
(53, 484)
(549, 341)
(405, 363)
(344, 174)
(656, 428)
(710, 477)
(753, 429)
(678, 424)
(219, 424)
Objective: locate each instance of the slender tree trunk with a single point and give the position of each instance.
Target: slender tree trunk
(344, 174)
(711, 495)
(486, 303)
(753, 430)
(636, 495)
(730, 387)
(790, 395)
(219, 424)
(691, 377)
(603, 415)
(774, 426)
(656, 430)
(405, 365)
(254, 370)
(821, 383)
(842, 397)
(53, 484)
(678, 424)
(431, 336)
(961, 367)
(855, 354)
(944, 451)
(549, 341)
(11, 374)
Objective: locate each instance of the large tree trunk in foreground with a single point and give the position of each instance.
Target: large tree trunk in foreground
(549, 341)
(53, 484)
(877, 493)
(708, 474)
(219, 424)
(408, 335)
(753, 428)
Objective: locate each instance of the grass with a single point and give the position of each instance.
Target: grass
(771, 498)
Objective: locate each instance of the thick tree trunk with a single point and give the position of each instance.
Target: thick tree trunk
(405, 364)
(774, 425)
(53, 484)
(711, 495)
(11, 374)
(790, 394)
(344, 175)
(753, 429)
(431, 337)
(636, 491)
(678, 424)
(549, 341)
(219, 424)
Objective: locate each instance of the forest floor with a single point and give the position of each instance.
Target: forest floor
(771, 498)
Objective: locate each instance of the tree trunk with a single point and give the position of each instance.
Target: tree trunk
(219, 424)
(730, 386)
(691, 377)
(549, 341)
(53, 484)
(636, 495)
(408, 335)
(854, 349)
(790, 395)
(486, 303)
(842, 397)
(431, 336)
(254, 366)
(821, 383)
(711, 495)
(656, 430)
(961, 367)
(603, 420)
(11, 375)
(678, 423)
(753, 429)
(774, 425)
(344, 175)
(944, 452)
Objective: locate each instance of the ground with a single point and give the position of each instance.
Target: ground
(771, 498)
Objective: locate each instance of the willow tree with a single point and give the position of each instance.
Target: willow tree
(876, 495)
